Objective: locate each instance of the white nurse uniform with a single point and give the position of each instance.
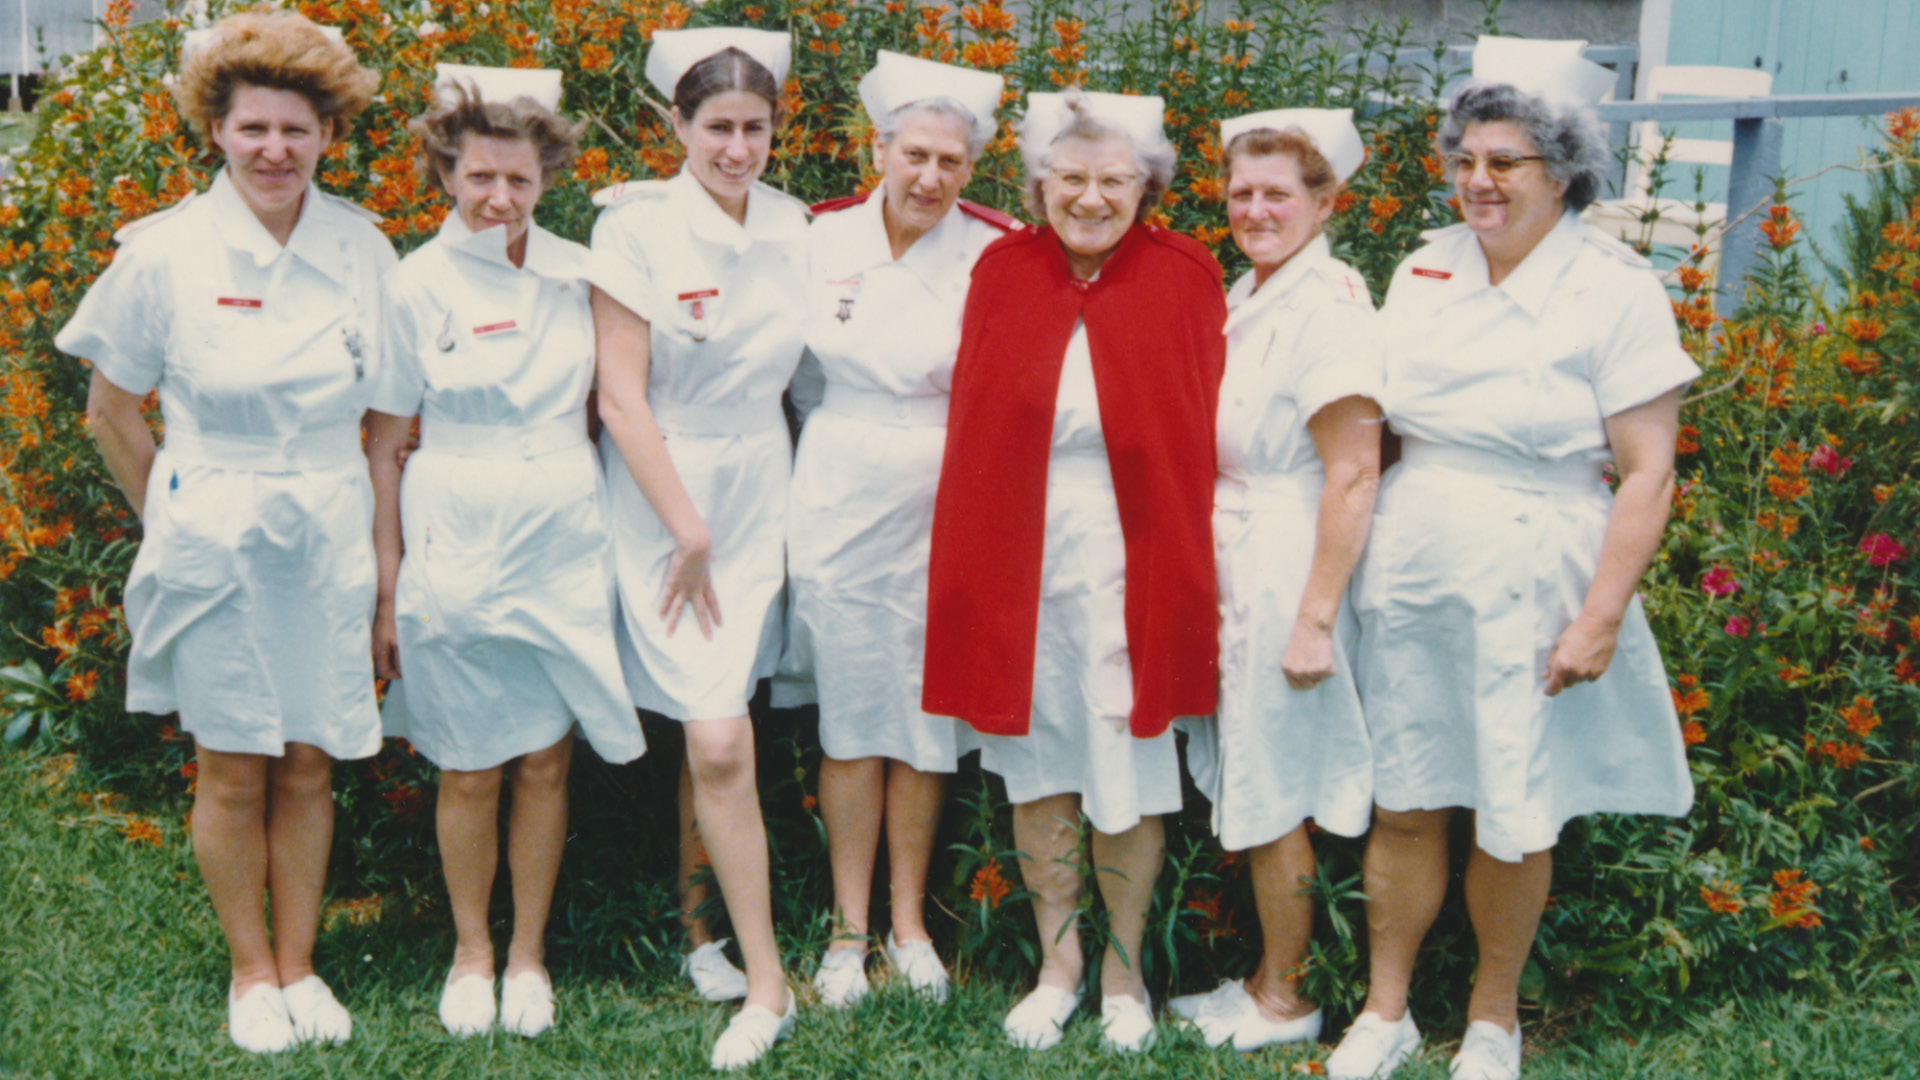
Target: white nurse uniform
(1487, 535)
(504, 604)
(885, 333)
(1275, 756)
(251, 599)
(725, 305)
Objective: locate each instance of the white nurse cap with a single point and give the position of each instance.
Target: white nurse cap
(1331, 130)
(674, 52)
(499, 85)
(1047, 115)
(898, 79)
(194, 40)
(1554, 71)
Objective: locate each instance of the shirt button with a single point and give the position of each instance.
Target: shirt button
(1514, 593)
(1522, 519)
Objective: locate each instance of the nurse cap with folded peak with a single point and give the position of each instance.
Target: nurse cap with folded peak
(1554, 71)
(1331, 131)
(899, 80)
(497, 85)
(194, 40)
(674, 52)
(1139, 116)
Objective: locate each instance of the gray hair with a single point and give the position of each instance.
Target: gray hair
(1570, 141)
(1154, 160)
(888, 126)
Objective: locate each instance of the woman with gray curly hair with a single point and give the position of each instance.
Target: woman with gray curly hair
(1070, 610)
(1505, 666)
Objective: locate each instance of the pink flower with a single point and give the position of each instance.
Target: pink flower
(1739, 626)
(1719, 582)
(1881, 549)
(1819, 328)
(1828, 460)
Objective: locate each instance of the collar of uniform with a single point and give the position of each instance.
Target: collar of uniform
(242, 231)
(1532, 282)
(1243, 303)
(926, 258)
(710, 223)
(547, 255)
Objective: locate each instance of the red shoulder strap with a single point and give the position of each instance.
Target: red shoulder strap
(831, 205)
(1003, 222)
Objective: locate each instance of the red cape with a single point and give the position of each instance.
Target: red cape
(1154, 323)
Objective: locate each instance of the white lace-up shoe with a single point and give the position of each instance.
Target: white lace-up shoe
(526, 1003)
(466, 1005)
(750, 1034)
(1190, 1006)
(1126, 1023)
(920, 966)
(714, 976)
(842, 978)
(257, 1020)
(1253, 1030)
(316, 1014)
(1488, 1052)
(1373, 1047)
(1036, 1021)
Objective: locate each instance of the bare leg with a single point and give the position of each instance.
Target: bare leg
(1047, 834)
(1125, 867)
(299, 838)
(693, 856)
(726, 803)
(1286, 923)
(230, 844)
(1505, 901)
(466, 822)
(852, 801)
(536, 837)
(1406, 877)
(914, 799)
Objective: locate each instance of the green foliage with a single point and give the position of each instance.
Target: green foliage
(1797, 788)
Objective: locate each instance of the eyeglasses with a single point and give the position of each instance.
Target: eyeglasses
(1111, 185)
(1499, 166)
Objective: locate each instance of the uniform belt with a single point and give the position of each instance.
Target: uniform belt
(745, 418)
(508, 441)
(1268, 491)
(1080, 470)
(321, 448)
(881, 407)
(1530, 474)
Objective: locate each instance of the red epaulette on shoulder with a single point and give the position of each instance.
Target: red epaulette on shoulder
(1003, 222)
(831, 205)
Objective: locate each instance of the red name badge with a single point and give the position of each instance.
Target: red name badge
(492, 329)
(698, 310)
(1437, 275)
(239, 302)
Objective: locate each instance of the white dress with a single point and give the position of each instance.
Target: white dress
(885, 334)
(504, 603)
(1275, 756)
(1487, 535)
(725, 306)
(251, 599)
(1079, 741)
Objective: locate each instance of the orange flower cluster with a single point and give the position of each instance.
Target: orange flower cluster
(139, 830)
(1724, 900)
(1792, 900)
(1860, 717)
(1214, 922)
(1069, 54)
(1780, 227)
(988, 887)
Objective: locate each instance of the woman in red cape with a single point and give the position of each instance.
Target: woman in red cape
(1071, 612)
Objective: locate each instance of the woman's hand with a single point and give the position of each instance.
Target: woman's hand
(386, 644)
(1582, 653)
(689, 584)
(1308, 660)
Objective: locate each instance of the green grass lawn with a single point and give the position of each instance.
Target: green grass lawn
(111, 966)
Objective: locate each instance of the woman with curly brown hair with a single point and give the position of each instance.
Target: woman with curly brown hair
(254, 311)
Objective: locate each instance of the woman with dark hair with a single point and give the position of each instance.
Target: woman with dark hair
(1070, 603)
(254, 311)
(887, 276)
(1299, 446)
(699, 324)
(500, 613)
(1505, 664)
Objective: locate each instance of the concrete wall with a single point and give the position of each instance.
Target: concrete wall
(1601, 22)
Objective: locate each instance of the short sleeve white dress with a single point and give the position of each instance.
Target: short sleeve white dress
(504, 604)
(725, 303)
(885, 333)
(1275, 756)
(251, 599)
(1487, 535)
